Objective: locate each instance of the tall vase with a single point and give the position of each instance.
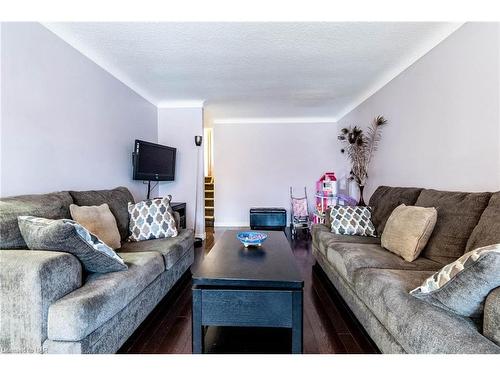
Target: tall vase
(361, 200)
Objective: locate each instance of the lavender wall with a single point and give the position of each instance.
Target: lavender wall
(255, 165)
(65, 122)
(177, 127)
(444, 117)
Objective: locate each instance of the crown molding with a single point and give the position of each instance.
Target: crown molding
(383, 80)
(181, 104)
(275, 120)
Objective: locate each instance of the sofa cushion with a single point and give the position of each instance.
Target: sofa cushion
(172, 248)
(151, 219)
(102, 296)
(458, 214)
(491, 319)
(487, 230)
(408, 229)
(117, 200)
(347, 258)
(417, 326)
(352, 221)
(68, 236)
(322, 238)
(50, 206)
(386, 198)
(462, 286)
(98, 220)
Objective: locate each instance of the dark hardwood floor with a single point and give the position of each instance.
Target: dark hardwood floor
(329, 326)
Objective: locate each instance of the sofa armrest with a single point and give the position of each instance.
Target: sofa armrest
(491, 322)
(317, 228)
(30, 281)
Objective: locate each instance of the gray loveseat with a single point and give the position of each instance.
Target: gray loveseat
(48, 304)
(375, 283)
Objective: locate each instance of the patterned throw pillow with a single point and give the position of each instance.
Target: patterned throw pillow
(151, 219)
(68, 236)
(352, 220)
(463, 285)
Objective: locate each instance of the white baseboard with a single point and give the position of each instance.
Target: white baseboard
(236, 224)
(201, 235)
(232, 224)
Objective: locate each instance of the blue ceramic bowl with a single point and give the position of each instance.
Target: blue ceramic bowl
(251, 238)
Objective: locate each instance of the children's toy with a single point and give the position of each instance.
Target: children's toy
(299, 214)
(326, 190)
(329, 193)
(327, 184)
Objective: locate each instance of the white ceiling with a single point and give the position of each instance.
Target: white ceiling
(256, 71)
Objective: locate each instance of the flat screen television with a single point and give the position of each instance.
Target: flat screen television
(153, 162)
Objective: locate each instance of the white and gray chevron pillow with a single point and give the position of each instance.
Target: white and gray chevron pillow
(68, 236)
(463, 285)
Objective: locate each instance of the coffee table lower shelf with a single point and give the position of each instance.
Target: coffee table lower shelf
(279, 308)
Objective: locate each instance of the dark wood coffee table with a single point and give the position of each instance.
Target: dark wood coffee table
(254, 287)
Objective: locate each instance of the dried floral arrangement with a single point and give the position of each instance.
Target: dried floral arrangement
(360, 147)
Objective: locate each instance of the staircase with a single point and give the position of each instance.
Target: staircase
(209, 201)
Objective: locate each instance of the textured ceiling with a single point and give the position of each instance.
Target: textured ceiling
(256, 70)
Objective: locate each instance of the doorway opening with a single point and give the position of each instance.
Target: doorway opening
(209, 178)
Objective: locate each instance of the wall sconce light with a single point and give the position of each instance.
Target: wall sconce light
(197, 140)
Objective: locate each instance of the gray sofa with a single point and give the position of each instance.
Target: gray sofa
(375, 283)
(48, 304)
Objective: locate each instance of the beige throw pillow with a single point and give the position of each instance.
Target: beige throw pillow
(408, 229)
(99, 221)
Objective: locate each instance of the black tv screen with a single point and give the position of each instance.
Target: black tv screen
(153, 162)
